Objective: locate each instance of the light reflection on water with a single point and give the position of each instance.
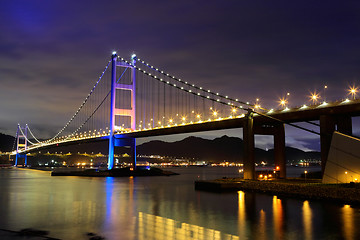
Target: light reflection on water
(163, 208)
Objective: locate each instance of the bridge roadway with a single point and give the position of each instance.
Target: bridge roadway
(333, 116)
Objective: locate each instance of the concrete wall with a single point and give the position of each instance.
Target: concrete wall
(343, 164)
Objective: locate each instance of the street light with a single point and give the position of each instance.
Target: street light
(345, 177)
(305, 172)
(314, 97)
(325, 87)
(353, 90)
(283, 102)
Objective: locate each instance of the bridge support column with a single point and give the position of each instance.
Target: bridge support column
(133, 152)
(128, 112)
(276, 130)
(327, 127)
(21, 144)
(279, 149)
(112, 112)
(344, 124)
(127, 142)
(249, 145)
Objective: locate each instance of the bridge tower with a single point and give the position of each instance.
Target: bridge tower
(116, 141)
(21, 144)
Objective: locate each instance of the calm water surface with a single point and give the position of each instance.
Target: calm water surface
(163, 208)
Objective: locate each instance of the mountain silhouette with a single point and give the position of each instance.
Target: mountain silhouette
(224, 148)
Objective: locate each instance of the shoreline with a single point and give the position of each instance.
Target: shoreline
(118, 172)
(311, 189)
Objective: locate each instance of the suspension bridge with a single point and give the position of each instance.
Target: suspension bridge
(133, 99)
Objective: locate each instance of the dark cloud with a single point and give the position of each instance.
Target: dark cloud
(55, 50)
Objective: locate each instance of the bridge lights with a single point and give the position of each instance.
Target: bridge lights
(257, 104)
(352, 91)
(314, 97)
(283, 102)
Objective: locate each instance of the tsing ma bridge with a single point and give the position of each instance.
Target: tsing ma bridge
(133, 99)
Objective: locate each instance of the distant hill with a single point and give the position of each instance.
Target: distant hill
(6, 143)
(219, 149)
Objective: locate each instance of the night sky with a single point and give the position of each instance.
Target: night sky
(52, 52)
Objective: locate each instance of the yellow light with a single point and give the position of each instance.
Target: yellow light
(353, 90)
(198, 116)
(233, 110)
(215, 113)
(305, 172)
(183, 118)
(260, 176)
(314, 97)
(283, 102)
(170, 120)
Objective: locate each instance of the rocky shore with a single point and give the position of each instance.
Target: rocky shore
(299, 188)
(119, 172)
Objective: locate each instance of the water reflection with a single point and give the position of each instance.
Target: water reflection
(348, 222)
(241, 214)
(307, 220)
(162, 208)
(278, 216)
(156, 227)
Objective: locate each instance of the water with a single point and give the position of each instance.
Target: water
(163, 208)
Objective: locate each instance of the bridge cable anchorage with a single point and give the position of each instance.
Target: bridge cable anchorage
(81, 106)
(186, 83)
(290, 124)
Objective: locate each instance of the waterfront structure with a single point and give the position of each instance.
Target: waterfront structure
(343, 162)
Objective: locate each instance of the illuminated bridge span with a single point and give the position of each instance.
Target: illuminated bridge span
(133, 99)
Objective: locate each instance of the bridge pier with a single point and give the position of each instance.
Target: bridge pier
(344, 124)
(127, 142)
(249, 145)
(21, 143)
(278, 131)
(279, 149)
(328, 124)
(128, 112)
(17, 156)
